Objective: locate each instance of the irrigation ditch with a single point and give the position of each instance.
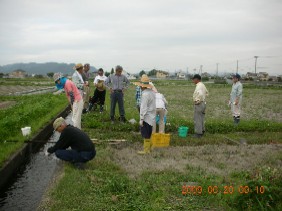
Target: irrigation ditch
(26, 174)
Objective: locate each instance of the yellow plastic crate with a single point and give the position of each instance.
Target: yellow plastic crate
(160, 140)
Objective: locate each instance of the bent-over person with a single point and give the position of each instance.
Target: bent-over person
(82, 149)
(73, 95)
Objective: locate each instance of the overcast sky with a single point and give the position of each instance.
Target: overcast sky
(145, 34)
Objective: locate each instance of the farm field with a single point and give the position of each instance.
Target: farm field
(18, 111)
(230, 168)
(25, 85)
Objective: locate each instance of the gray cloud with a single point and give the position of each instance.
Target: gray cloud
(167, 34)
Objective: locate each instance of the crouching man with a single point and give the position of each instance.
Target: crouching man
(82, 148)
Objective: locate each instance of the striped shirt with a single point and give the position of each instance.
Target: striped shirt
(138, 95)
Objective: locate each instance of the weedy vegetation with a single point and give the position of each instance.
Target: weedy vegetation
(211, 173)
(30, 110)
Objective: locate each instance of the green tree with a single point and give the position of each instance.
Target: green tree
(142, 73)
(112, 71)
(152, 72)
(107, 73)
(39, 76)
(50, 75)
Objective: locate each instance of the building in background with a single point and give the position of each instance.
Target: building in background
(18, 74)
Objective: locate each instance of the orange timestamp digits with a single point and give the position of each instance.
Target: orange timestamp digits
(242, 189)
(192, 189)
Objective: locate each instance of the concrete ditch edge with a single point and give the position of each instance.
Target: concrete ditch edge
(12, 165)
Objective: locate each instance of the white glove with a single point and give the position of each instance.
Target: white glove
(141, 123)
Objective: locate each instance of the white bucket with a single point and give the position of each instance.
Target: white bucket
(26, 131)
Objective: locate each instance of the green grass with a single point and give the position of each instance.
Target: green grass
(118, 179)
(30, 110)
(106, 186)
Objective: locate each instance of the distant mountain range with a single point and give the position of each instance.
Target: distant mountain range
(41, 68)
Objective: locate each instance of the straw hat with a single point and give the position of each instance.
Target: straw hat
(144, 82)
(77, 66)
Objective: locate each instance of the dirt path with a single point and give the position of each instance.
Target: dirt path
(219, 160)
(7, 104)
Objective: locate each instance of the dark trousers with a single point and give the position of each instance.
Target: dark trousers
(99, 96)
(117, 97)
(74, 156)
(146, 130)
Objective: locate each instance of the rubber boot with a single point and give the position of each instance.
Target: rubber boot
(90, 106)
(101, 108)
(147, 147)
(122, 119)
(236, 120)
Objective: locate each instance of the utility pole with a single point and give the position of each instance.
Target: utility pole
(200, 71)
(237, 67)
(216, 69)
(256, 58)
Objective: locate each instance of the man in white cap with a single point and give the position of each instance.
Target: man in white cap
(82, 148)
(147, 112)
(73, 96)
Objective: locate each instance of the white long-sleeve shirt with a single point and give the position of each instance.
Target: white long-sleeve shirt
(236, 92)
(99, 78)
(160, 101)
(148, 106)
(78, 80)
(200, 93)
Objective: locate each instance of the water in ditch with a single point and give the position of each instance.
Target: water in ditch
(31, 181)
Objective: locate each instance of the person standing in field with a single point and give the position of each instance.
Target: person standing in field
(82, 148)
(138, 93)
(77, 78)
(236, 98)
(100, 91)
(147, 112)
(199, 99)
(73, 96)
(161, 104)
(86, 89)
(117, 83)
